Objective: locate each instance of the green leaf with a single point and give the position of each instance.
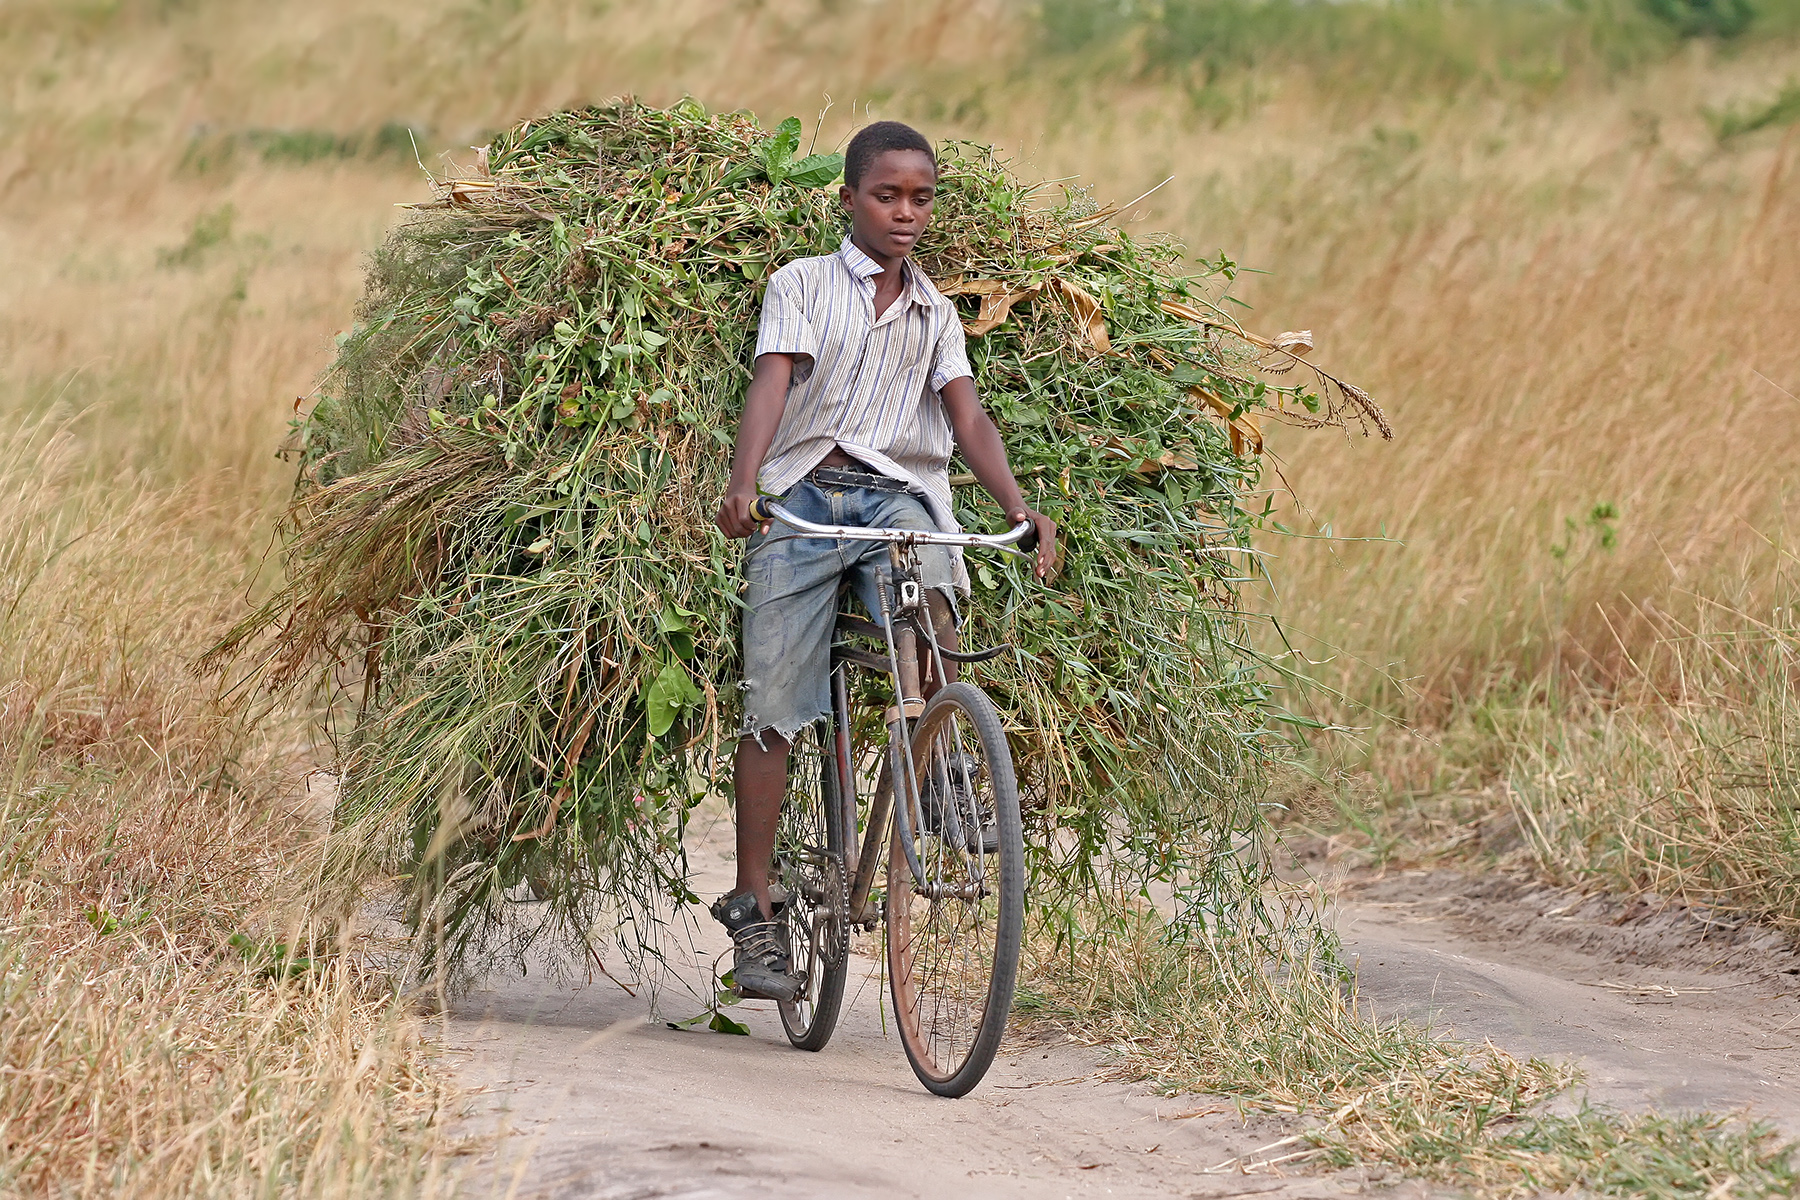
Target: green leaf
(778, 151)
(518, 514)
(667, 697)
(1288, 718)
(721, 1023)
(816, 170)
(673, 625)
(735, 176)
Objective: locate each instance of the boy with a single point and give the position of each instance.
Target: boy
(860, 384)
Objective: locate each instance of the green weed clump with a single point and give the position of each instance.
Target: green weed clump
(502, 538)
(217, 151)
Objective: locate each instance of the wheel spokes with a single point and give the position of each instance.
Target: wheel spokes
(947, 943)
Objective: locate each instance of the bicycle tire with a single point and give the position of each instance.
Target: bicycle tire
(953, 961)
(810, 865)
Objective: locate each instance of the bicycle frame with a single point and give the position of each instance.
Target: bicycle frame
(904, 614)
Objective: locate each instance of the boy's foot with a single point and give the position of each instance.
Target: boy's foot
(948, 816)
(761, 963)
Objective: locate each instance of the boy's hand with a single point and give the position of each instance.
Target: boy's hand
(1046, 538)
(734, 520)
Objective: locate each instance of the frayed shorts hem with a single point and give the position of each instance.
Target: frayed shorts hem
(755, 727)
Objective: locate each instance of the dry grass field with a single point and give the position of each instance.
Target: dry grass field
(1573, 297)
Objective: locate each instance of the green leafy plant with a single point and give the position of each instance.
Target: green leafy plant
(776, 163)
(277, 960)
(1599, 525)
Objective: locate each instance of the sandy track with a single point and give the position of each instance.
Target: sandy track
(652, 1112)
(578, 1096)
(1664, 1007)
(661, 1113)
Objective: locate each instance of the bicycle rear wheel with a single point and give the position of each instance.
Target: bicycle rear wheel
(810, 867)
(953, 939)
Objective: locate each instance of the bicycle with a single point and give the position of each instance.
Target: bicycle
(954, 900)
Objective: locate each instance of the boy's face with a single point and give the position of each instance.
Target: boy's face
(891, 206)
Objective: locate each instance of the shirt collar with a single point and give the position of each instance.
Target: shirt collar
(918, 289)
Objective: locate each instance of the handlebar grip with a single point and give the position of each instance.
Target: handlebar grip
(759, 509)
(1029, 542)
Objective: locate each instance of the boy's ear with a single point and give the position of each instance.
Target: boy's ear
(845, 196)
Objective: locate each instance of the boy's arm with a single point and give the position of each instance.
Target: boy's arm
(986, 455)
(763, 406)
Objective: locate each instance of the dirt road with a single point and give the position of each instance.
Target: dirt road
(1665, 1008)
(579, 1096)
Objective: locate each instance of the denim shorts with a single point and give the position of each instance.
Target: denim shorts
(791, 598)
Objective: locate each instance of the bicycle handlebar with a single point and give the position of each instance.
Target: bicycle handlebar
(764, 508)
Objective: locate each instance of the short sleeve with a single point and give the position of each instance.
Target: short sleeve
(783, 327)
(950, 357)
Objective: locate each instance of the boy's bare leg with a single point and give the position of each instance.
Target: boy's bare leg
(759, 777)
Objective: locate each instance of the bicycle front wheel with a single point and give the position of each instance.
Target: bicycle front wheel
(810, 867)
(953, 935)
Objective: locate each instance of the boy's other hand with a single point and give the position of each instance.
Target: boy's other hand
(734, 519)
(1046, 539)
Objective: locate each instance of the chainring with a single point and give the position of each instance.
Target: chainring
(831, 920)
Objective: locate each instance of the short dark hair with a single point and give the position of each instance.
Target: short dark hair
(872, 141)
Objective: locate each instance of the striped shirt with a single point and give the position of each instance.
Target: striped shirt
(870, 385)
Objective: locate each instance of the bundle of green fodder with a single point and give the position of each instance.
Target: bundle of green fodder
(502, 534)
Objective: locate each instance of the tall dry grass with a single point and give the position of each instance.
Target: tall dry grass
(1614, 334)
(1571, 313)
(175, 1018)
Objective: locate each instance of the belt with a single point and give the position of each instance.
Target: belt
(850, 477)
